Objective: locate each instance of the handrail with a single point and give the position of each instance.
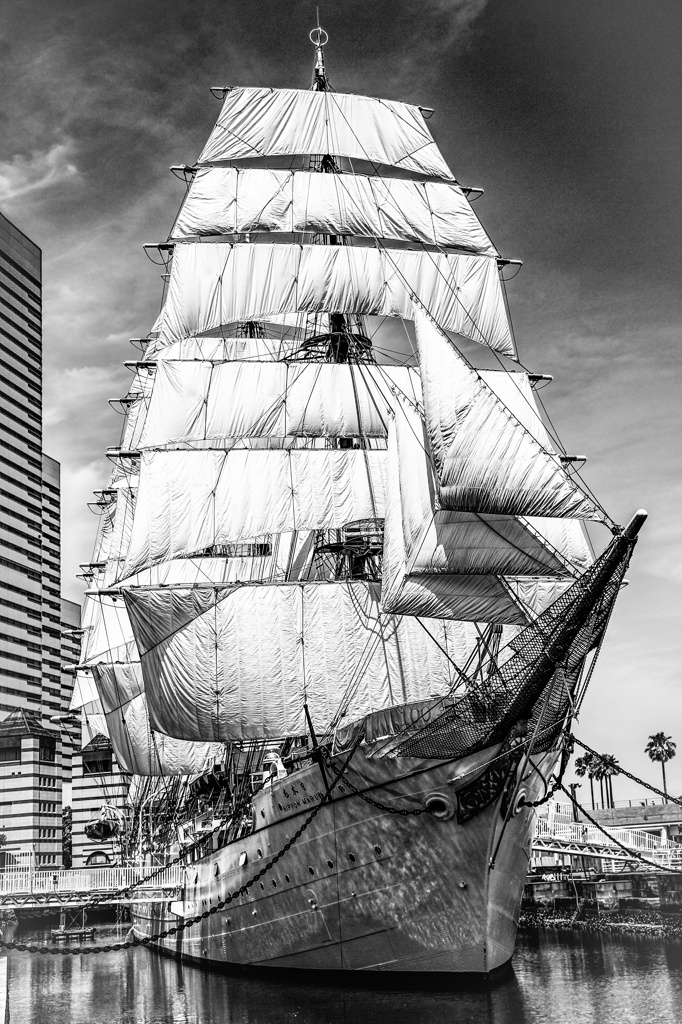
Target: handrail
(90, 880)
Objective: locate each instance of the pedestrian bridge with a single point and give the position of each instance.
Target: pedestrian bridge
(28, 888)
(557, 832)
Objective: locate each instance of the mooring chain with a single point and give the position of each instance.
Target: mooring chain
(633, 854)
(382, 807)
(175, 929)
(567, 750)
(239, 809)
(96, 900)
(622, 771)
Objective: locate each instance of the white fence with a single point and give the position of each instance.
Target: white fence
(557, 823)
(86, 880)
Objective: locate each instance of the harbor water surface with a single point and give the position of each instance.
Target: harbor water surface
(557, 978)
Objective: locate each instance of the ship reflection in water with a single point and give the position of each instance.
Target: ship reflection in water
(557, 979)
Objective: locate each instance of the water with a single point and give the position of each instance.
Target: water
(558, 978)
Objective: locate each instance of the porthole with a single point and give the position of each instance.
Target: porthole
(274, 883)
(377, 850)
(280, 806)
(216, 870)
(287, 878)
(243, 858)
(260, 853)
(262, 886)
(330, 863)
(311, 871)
(351, 857)
(262, 814)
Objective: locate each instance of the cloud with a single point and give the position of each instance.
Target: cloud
(73, 390)
(79, 523)
(38, 172)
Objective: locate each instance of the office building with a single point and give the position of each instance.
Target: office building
(35, 625)
(21, 473)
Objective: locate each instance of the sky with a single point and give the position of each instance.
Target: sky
(567, 114)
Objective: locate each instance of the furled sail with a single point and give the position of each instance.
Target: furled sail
(256, 123)
(139, 750)
(490, 456)
(219, 283)
(224, 200)
(191, 501)
(197, 401)
(465, 565)
(235, 663)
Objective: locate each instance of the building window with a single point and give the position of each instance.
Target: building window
(97, 858)
(10, 748)
(97, 762)
(47, 749)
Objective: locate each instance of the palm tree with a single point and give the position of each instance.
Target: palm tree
(586, 765)
(661, 748)
(609, 767)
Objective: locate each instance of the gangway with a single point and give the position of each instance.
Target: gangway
(27, 888)
(558, 832)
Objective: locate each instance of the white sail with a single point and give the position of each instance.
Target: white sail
(93, 723)
(136, 404)
(458, 564)
(108, 635)
(224, 200)
(126, 496)
(138, 749)
(191, 501)
(84, 690)
(104, 532)
(241, 662)
(219, 283)
(256, 123)
(488, 458)
(197, 401)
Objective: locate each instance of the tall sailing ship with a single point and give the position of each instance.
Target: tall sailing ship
(343, 604)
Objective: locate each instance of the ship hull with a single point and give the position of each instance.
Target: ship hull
(362, 890)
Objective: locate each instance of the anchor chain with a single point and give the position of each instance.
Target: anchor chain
(627, 774)
(175, 929)
(239, 809)
(558, 778)
(382, 807)
(633, 853)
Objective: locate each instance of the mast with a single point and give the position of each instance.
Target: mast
(280, 490)
(319, 39)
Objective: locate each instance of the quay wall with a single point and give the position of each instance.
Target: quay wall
(635, 903)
